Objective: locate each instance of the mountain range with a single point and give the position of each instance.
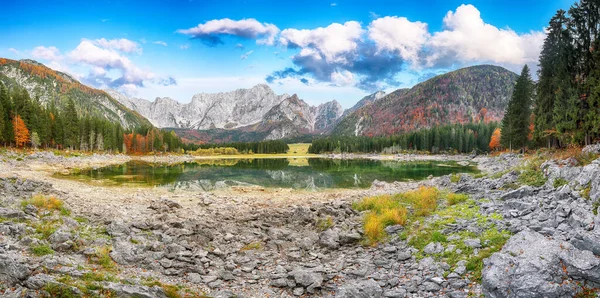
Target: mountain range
(477, 93)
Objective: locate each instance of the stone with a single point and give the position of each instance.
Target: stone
(531, 265)
(330, 239)
(404, 255)
(13, 269)
(523, 191)
(474, 243)
(279, 283)
(298, 291)
(393, 229)
(132, 291)
(359, 289)
(433, 248)
(38, 281)
(349, 237)
(194, 278)
(308, 279)
(395, 293)
(431, 286)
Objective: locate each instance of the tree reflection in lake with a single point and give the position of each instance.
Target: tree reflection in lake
(312, 174)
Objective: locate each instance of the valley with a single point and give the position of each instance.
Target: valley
(348, 149)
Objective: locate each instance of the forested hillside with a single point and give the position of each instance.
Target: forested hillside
(456, 138)
(472, 94)
(54, 88)
(25, 122)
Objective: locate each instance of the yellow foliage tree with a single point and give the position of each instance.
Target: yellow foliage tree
(495, 140)
(21, 131)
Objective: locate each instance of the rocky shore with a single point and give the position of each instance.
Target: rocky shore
(151, 243)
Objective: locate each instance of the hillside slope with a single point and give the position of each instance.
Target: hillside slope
(459, 96)
(54, 87)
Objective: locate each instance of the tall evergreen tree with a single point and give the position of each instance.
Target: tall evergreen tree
(515, 125)
(71, 125)
(7, 129)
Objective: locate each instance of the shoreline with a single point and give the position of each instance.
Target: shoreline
(257, 242)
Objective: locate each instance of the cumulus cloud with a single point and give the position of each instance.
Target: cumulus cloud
(468, 38)
(331, 43)
(46, 53)
(245, 55)
(211, 32)
(160, 42)
(371, 58)
(122, 45)
(338, 54)
(102, 60)
(398, 34)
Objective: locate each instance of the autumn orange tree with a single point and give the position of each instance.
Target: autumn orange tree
(495, 140)
(21, 131)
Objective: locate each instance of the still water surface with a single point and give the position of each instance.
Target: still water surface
(300, 173)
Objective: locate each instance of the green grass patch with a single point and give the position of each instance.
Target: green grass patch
(102, 258)
(56, 290)
(455, 198)
(558, 182)
(454, 178)
(252, 246)
(324, 223)
(44, 229)
(387, 210)
(585, 193)
(532, 176)
(42, 250)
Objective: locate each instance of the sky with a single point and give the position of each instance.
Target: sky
(320, 50)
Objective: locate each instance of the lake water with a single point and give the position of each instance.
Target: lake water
(301, 173)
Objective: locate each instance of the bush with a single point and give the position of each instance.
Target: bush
(43, 202)
(423, 200)
(454, 178)
(42, 250)
(454, 198)
(558, 182)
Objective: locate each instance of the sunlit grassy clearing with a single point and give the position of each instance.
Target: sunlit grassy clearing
(390, 210)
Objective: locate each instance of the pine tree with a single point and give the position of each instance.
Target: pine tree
(554, 76)
(71, 125)
(1, 123)
(7, 129)
(515, 125)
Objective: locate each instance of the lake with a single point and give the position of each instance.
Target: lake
(296, 173)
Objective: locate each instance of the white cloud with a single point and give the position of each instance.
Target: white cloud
(343, 78)
(90, 53)
(210, 32)
(46, 53)
(160, 42)
(398, 34)
(123, 45)
(330, 43)
(14, 51)
(468, 38)
(333, 4)
(245, 55)
(184, 46)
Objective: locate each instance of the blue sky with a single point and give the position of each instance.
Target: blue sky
(321, 50)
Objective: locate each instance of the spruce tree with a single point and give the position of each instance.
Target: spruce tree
(515, 125)
(555, 61)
